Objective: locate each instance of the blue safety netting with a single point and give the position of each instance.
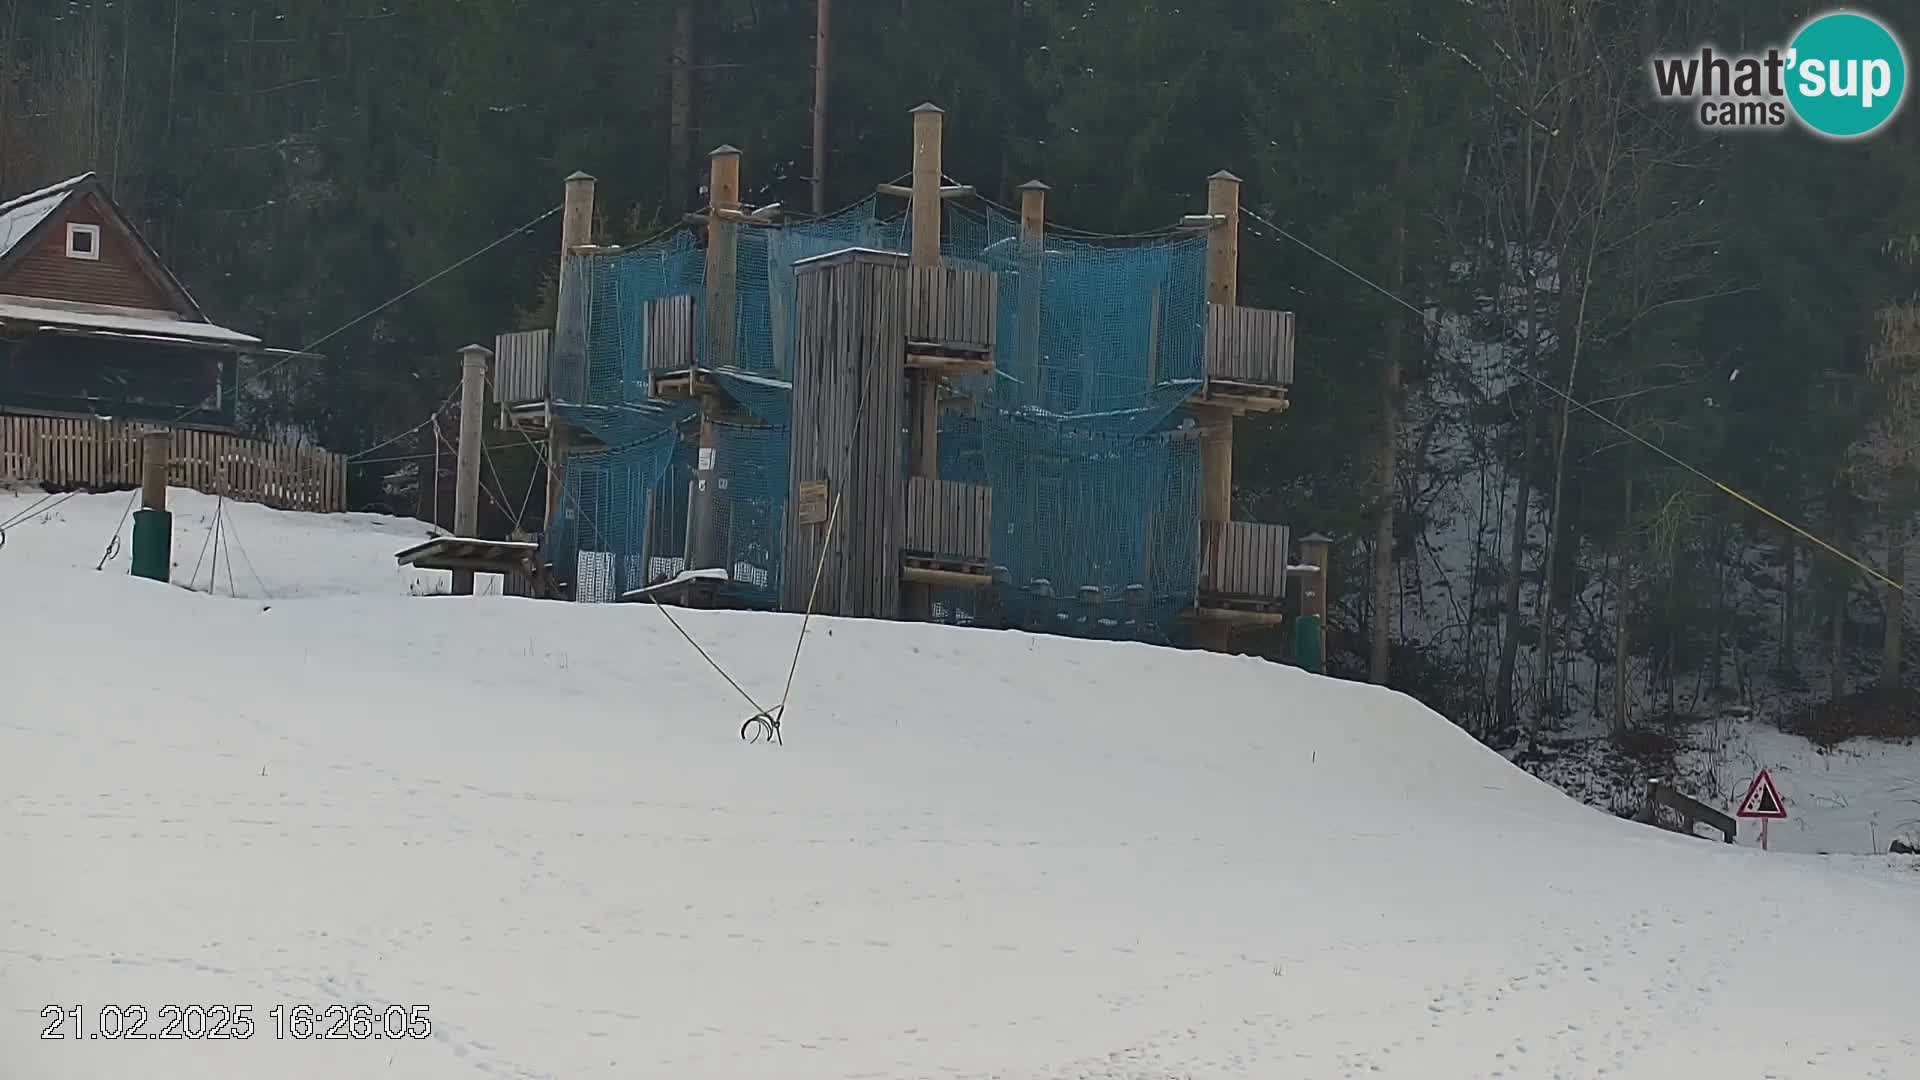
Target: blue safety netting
(1095, 506)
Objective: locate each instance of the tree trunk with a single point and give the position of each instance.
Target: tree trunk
(1837, 677)
(1622, 612)
(1789, 658)
(1516, 560)
(1386, 476)
(1896, 563)
(680, 108)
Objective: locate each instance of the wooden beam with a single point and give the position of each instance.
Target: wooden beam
(466, 486)
(928, 577)
(1221, 618)
(947, 191)
(949, 365)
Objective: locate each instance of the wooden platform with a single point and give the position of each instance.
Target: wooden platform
(510, 558)
(943, 358)
(689, 588)
(1243, 398)
(683, 384)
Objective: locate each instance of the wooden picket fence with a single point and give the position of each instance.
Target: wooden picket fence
(95, 453)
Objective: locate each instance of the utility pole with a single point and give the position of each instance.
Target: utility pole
(823, 19)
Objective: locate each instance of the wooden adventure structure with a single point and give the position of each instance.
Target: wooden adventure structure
(99, 343)
(875, 349)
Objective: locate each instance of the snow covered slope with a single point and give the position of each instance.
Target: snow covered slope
(263, 552)
(978, 855)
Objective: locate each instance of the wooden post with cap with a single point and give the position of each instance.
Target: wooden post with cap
(723, 292)
(1033, 275)
(466, 488)
(924, 386)
(1310, 628)
(152, 556)
(576, 230)
(1216, 423)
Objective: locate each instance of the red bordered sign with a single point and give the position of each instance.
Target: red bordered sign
(1763, 800)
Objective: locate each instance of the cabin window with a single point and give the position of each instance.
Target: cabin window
(83, 242)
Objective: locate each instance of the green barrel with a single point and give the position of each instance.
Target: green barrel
(1308, 648)
(152, 544)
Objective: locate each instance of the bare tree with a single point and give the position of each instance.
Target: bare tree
(1887, 459)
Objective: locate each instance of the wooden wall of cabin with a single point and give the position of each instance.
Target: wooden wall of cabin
(124, 379)
(116, 278)
(849, 388)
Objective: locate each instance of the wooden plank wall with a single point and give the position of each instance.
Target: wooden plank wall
(670, 333)
(952, 306)
(94, 453)
(1243, 558)
(1249, 345)
(948, 518)
(520, 366)
(850, 322)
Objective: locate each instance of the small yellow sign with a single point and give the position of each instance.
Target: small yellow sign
(813, 502)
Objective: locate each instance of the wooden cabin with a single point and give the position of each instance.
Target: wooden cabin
(99, 341)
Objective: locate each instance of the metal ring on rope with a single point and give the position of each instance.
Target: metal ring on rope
(763, 725)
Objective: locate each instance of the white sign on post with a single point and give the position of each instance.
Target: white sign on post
(706, 458)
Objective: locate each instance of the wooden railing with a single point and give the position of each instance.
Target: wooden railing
(1243, 559)
(93, 453)
(520, 366)
(951, 306)
(1249, 345)
(670, 335)
(949, 519)
(1690, 811)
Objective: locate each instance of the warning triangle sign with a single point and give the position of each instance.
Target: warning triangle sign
(1763, 799)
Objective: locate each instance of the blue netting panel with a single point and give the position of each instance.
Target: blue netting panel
(751, 503)
(1095, 532)
(618, 289)
(767, 276)
(601, 533)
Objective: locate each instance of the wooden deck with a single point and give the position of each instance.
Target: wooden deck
(1249, 358)
(103, 453)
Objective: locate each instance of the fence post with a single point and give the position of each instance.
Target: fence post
(152, 524)
(466, 491)
(1309, 630)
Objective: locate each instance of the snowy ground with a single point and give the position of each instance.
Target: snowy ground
(263, 553)
(978, 854)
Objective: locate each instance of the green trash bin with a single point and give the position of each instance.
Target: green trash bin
(1309, 649)
(153, 544)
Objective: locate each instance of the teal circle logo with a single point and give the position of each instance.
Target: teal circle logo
(1847, 75)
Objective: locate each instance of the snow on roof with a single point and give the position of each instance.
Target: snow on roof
(19, 216)
(60, 188)
(163, 324)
